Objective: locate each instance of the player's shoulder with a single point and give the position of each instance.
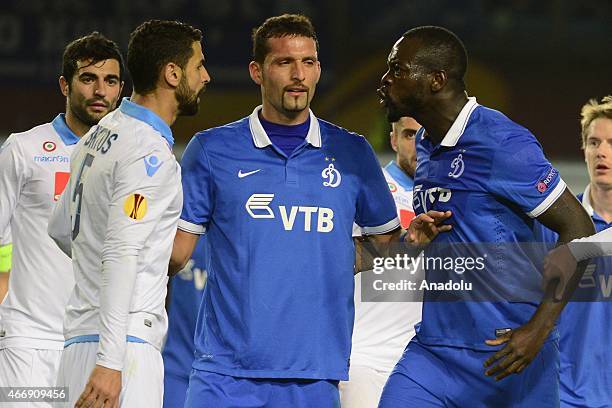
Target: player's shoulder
(221, 133)
(497, 128)
(34, 137)
(341, 136)
(126, 137)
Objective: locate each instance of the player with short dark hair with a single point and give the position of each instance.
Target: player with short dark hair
(117, 219)
(34, 169)
(492, 174)
(277, 194)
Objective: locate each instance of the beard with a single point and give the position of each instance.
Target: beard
(79, 110)
(295, 104)
(188, 100)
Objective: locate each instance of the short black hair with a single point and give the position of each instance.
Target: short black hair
(95, 47)
(155, 43)
(284, 25)
(441, 50)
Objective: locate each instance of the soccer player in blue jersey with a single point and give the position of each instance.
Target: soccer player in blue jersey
(277, 194)
(185, 294)
(585, 326)
(492, 174)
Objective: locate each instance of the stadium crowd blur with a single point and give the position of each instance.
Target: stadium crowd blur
(536, 61)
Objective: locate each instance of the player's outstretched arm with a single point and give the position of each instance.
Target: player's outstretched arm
(422, 230)
(561, 263)
(568, 218)
(184, 244)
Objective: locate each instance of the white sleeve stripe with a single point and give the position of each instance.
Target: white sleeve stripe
(382, 229)
(549, 200)
(191, 228)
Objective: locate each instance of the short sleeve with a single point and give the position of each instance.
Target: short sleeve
(522, 175)
(376, 213)
(144, 188)
(197, 188)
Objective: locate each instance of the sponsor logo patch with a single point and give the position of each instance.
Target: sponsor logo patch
(49, 146)
(152, 163)
(61, 179)
(135, 206)
(392, 187)
(543, 185)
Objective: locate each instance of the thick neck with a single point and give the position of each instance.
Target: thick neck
(160, 102)
(601, 201)
(274, 116)
(439, 116)
(78, 128)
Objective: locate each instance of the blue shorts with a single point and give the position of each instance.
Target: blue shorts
(439, 376)
(175, 390)
(208, 389)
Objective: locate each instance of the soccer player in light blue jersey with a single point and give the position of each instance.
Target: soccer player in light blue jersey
(492, 174)
(585, 326)
(185, 294)
(277, 194)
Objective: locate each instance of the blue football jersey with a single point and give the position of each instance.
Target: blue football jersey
(492, 174)
(585, 329)
(279, 297)
(186, 290)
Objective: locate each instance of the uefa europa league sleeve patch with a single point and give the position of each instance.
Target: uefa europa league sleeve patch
(135, 206)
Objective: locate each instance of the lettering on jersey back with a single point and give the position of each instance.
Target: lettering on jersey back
(101, 139)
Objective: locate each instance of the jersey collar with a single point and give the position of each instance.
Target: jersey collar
(458, 127)
(398, 175)
(148, 116)
(64, 132)
(261, 139)
(586, 200)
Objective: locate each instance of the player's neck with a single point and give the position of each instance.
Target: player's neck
(78, 128)
(601, 201)
(438, 118)
(164, 107)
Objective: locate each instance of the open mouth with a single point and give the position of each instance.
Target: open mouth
(602, 167)
(383, 96)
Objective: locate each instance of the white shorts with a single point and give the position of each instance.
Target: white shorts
(24, 367)
(364, 387)
(142, 378)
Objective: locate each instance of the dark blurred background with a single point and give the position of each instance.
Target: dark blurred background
(537, 61)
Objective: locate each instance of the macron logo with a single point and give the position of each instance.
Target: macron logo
(248, 173)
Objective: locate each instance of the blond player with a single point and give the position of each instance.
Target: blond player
(34, 168)
(118, 217)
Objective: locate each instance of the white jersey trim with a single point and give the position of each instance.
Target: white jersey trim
(382, 229)
(190, 227)
(549, 200)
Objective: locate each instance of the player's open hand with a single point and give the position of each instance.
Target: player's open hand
(521, 347)
(102, 389)
(559, 265)
(425, 227)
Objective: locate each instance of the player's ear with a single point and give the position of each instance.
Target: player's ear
(64, 86)
(393, 140)
(172, 74)
(438, 80)
(255, 72)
